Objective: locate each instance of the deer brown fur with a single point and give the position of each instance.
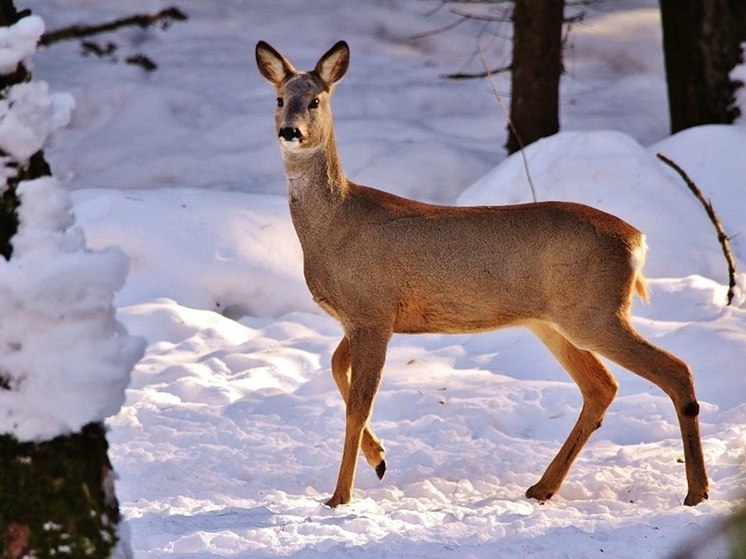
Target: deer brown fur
(382, 264)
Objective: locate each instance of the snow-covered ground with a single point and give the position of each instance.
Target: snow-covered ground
(229, 440)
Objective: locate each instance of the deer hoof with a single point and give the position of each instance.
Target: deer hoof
(540, 494)
(381, 469)
(337, 500)
(695, 497)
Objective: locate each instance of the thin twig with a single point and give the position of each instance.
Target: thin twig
(707, 205)
(510, 123)
(436, 9)
(505, 17)
(140, 20)
(439, 30)
(475, 75)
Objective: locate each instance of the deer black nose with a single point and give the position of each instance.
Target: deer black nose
(289, 134)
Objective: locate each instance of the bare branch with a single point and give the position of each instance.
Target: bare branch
(439, 30)
(475, 75)
(436, 9)
(164, 17)
(707, 205)
(504, 17)
(143, 61)
(512, 126)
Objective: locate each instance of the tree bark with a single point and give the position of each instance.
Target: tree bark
(56, 497)
(536, 70)
(701, 44)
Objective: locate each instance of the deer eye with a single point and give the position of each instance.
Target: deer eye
(280, 102)
(314, 104)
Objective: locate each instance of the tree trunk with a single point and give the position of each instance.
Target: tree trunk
(535, 71)
(701, 43)
(56, 497)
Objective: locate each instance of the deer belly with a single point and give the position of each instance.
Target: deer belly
(327, 307)
(419, 316)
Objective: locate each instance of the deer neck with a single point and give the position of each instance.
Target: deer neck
(316, 185)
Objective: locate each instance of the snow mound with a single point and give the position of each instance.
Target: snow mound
(611, 171)
(229, 252)
(65, 360)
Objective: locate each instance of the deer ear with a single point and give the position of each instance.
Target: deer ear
(333, 65)
(272, 65)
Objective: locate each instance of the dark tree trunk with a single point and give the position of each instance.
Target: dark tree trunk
(701, 43)
(56, 497)
(535, 71)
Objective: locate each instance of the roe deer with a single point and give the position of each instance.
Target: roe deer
(382, 264)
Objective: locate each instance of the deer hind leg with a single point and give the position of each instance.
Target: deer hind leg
(598, 388)
(623, 345)
(371, 445)
(368, 353)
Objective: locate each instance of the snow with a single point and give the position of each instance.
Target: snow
(229, 439)
(28, 115)
(18, 42)
(65, 359)
(739, 75)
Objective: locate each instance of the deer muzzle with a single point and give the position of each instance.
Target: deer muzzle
(289, 134)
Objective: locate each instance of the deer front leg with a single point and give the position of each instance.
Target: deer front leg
(368, 353)
(371, 445)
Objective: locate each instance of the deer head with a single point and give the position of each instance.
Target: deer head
(303, 115)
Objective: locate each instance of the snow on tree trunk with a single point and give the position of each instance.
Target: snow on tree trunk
(65, 361)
